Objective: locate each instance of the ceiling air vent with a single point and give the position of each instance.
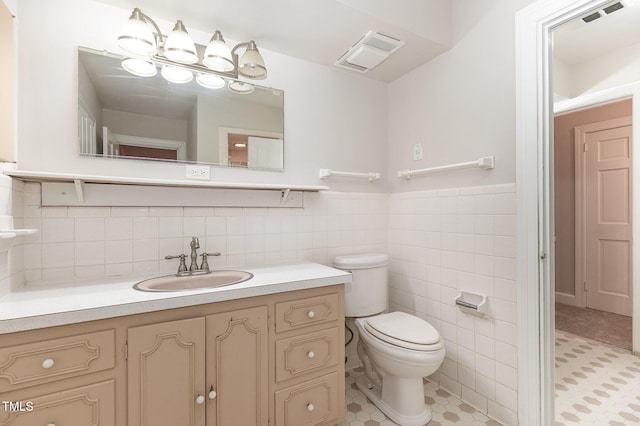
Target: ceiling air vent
(600, 13)
(369, 52)
(592, 17)
(614, 7)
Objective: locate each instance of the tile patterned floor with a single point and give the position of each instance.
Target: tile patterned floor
(596, 384)
(447, 409)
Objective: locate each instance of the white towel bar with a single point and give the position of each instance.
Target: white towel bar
(483, 162)
(371, 176)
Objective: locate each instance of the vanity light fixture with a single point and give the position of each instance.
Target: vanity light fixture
(178, 54)
(139, 67)
(210, 81)
(241, 87)
(176, 75)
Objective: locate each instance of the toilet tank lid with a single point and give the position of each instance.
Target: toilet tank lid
(361, 261)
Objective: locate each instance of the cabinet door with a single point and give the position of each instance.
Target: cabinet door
(237, 368)
(166, 373)
(92, 405)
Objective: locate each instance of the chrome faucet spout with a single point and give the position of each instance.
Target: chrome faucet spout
(195, 245)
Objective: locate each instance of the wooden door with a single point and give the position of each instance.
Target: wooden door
(166, 372)
(237, 368)
(608, 238)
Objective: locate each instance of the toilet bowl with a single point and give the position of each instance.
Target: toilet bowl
(402, 349)
(397, 349)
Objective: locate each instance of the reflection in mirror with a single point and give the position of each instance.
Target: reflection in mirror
(126, 116)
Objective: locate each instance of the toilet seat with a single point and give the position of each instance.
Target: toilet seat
(404, 330)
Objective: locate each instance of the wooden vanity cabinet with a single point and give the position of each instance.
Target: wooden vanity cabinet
(60, 381)
(309, 361)
(272, 360)
(213, 367)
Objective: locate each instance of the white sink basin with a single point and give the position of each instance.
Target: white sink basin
(193, 282)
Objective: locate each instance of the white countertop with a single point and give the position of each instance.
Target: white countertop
(53, 304)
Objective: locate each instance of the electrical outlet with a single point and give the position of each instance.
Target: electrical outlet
(196, 171)
(417, 151)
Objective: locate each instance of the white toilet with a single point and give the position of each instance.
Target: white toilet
(396, 349)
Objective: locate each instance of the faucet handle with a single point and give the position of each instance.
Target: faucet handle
(205, 264)
(183, 265)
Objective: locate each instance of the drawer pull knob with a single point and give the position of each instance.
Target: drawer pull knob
(310, 407)
(212, 394)
(51, 424)
(47, 363)
(311, 314)
(200, 400)
(311, 354)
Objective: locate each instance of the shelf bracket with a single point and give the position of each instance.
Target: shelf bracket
(285, 195)
(79, 184)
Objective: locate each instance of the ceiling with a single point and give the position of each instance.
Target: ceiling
(319, 31)
(576, 42)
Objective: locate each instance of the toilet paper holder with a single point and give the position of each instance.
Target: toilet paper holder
(472, 303)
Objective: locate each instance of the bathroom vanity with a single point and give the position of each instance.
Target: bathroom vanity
(268, 351)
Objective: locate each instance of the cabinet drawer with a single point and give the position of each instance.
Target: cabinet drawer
(311, 403)
(303, 354)
(91, 405)
(42, 362)
(299, 313)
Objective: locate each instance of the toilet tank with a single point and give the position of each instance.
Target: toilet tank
(366, 294)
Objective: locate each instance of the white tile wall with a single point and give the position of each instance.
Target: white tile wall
(11, 249)
(96, 242)
(441, 242)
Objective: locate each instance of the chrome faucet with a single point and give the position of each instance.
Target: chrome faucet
(195, 245)
(193, 268)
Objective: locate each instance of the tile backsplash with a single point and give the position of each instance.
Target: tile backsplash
(97, 242)
(441, 242)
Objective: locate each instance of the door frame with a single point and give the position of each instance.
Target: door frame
(580, 200)
(534, 197)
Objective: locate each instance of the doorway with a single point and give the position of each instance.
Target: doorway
(534, 155)
(592, 165)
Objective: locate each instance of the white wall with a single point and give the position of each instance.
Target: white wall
(327, 111)
(444, 241)
(455, 230)
(239, 115)
(459, 106)
(616, 68)
(89, 97)
(562, 80)
(132, 124)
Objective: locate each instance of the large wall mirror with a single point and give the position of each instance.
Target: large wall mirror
(121, 115)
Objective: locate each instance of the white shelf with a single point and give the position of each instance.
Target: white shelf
(12, 233)
(62, 189)
(80, 179)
